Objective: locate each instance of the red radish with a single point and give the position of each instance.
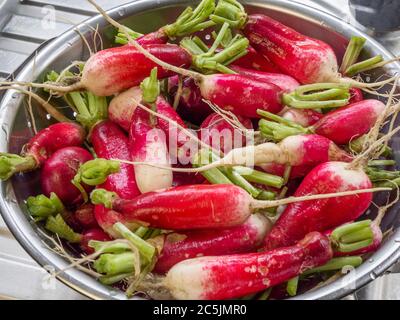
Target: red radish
(283, 81)
(60, 169)
(256, 61)
(110, 142)
(183, 179)
(92, 234)
(351, 122)
(148, 144)
(194, 206)
(115, 69)
(233, 276)
(191, 105)
(240, 94)
(303, 117)
(243, 238)
(84, 215)
(176, 139)
(299, 219)
(186, 207)
(356, 95)
(304, 58)
(107, 218)
(220, 134)
(41, 147)
(123, 106)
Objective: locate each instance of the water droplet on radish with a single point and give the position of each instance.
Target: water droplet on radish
(29, 124)
(75, 114)
(48, 116)
(207, 37)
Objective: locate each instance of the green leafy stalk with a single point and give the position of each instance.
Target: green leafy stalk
(352, 53)
(109, 246)
(214, 176)
(121, 37)
(146, 250)
(365, 65)
(376, 175)
(191, 21)
(150, 87)
(11, 164)
(42, 207)
(114, 264)
(260, 177)
(231, 12)
(336, 264)
(104, 197)
(94, 173)
(58, 226)
(356, 145)
(291, 287)
(352, 236)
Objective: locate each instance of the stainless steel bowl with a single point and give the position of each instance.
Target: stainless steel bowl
(145, 16)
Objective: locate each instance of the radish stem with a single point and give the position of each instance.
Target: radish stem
(231, 12)
(42, 207)
(11, 164)
(336, 264)
(352, 53)
(364, 65)
(291, 287)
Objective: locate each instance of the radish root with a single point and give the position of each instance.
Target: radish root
(50, 109)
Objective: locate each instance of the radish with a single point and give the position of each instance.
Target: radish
(58, 172)
(301, 218)
(199, 206)
(350, 122)
(41, 147)
(306, 59)
(341, 125)
(303, 117)
(148, 144)
(356, 95)
(110, 142)
(85, 216)
(221, 133)
(115, 69)
(283, 81)
(94, 234)
(256, 61)
(191, 105)
(122, 107)
(233, 276)
(176, 247)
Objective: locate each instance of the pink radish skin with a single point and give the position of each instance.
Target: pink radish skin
(123, 106)
(356, 95)
(84, 215)
(110, 142)
(351, 122)
(312, 149)
(58, 171)
(306, 59)
(156, 37)
(240, 94)
(215, 129)
(234, 276)
(191, 244)
(191, 105)
(148, 144)
(301, 218)
(53, 138)
(283, 81)
(116, 69)
(256, 61)
(303, 117)
(176, 139)
(188, 207)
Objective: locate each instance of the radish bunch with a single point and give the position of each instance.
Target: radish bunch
(180, 156)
